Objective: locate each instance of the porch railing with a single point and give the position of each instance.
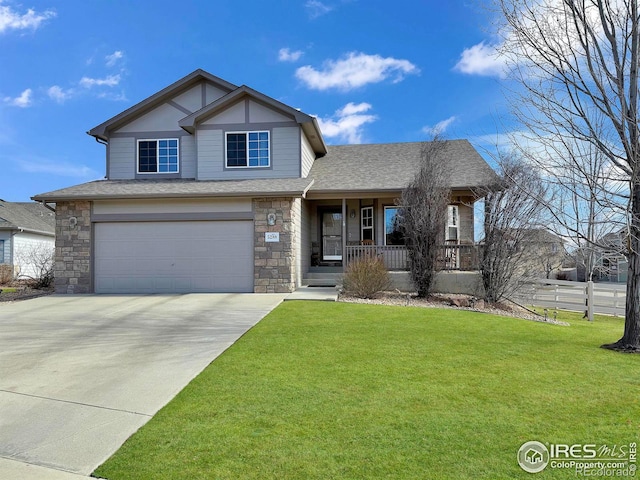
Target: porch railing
(396, 257)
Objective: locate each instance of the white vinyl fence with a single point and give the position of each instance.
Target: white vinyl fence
(578, 296)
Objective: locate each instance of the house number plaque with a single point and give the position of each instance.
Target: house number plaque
(271, 236)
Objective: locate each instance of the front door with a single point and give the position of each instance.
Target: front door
(332, 236)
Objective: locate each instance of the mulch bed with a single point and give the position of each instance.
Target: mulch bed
(22, 292)
(460, 302)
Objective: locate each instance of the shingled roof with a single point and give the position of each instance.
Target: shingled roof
(348, 169)
(27, 216)
(391, 166)
(176, 188)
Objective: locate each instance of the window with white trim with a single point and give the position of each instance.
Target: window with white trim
(452, 234)
(247, 149)
(393, 226)
(366, 224)
(158, 156)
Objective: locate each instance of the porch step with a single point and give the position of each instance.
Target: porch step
(325, 269)
(317, 279)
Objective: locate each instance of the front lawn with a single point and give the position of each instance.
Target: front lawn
(322, 390)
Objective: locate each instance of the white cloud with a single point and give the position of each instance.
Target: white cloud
(109, 81)
(52, 167)
(286, 55)
(116, 97)
(112, 59)
(59, 94)
(482, 59)
(316, 9)
(440, 127)
(11, 19)
(23, 100)
(355, 70)
(347, 122)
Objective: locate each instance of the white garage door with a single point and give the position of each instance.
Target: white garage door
(174, 257)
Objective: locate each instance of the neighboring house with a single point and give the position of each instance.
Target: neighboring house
(27, 230)
(610, 259)
(545, 252)
(211, 187)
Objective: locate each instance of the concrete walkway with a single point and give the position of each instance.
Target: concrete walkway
(80, 374)
(327, 294)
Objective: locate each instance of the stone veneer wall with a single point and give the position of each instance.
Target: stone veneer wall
(274, 262)
(73, 248)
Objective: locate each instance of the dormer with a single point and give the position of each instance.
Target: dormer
(205, 128)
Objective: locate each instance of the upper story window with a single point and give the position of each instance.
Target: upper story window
(247, 149)
(158, 156)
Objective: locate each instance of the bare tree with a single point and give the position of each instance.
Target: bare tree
(36, 263)
(577, 62)
(423, 215)
(510, 215)
(589, 201)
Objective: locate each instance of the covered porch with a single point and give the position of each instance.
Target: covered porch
(343, 230)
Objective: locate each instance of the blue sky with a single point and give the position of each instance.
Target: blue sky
(371, 71)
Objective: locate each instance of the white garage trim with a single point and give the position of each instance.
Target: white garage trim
(170, 217)
(173, 256)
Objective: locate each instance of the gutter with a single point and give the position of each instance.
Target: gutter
(39, 232)
(283, 193)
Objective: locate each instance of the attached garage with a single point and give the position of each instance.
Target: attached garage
(173, 256)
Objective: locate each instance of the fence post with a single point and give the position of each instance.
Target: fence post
(590, 301)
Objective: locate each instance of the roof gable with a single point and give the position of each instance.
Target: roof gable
(308, 123)
(176, 89)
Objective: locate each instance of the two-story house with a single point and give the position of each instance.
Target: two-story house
(211, 187)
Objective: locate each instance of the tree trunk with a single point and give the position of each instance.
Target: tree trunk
(630, 341)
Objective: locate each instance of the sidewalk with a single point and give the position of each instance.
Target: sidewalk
(326, 294)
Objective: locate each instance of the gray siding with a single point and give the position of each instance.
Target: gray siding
(210, 154)
(188, 157)
(285, 156)
(285, 150)
(162, 118)
(353, 224)
(307, 155)
(122, 158)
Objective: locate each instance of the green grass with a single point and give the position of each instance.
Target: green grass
(323, 390)
(8, 290)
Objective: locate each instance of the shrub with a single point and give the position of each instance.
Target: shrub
(6, 274)
(366, 276)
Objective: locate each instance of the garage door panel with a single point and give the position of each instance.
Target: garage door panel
(174, 257)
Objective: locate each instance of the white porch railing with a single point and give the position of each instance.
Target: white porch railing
(396, 257)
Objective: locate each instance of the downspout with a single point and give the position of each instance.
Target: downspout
(46, 205)
(106, 144)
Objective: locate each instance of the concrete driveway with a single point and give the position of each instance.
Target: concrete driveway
(80, 374)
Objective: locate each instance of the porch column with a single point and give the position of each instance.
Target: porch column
(344, 233)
